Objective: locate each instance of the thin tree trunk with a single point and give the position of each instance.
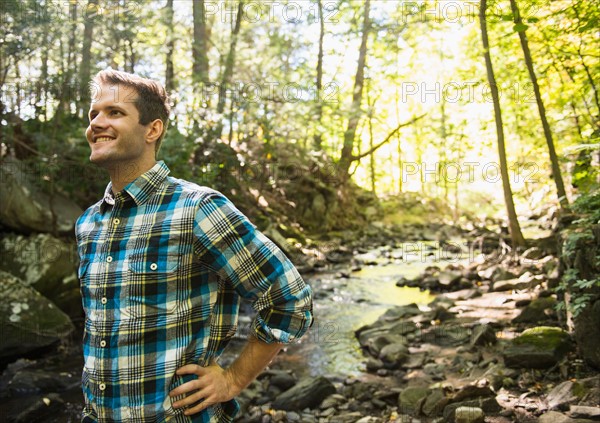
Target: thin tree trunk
(228, 71)
(556, 173)
(170, 71)
(200, 66)
(318, 137)
(355, 111)
(513, 223)
(371, 104)
(86, 55)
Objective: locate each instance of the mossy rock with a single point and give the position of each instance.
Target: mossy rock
(540, 347)
(545, 337)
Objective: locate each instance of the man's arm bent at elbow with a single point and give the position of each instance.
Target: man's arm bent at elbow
(215, 384)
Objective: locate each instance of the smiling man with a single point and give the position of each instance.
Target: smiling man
(164, 264)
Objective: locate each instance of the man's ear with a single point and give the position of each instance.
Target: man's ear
(153, 131)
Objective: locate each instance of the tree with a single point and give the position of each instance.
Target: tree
(355, 109)
(520, 27)
(170, 66)
(513, 222)
(91, 14)
(200, 43)
(318, 137)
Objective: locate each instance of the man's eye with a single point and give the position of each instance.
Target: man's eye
(115, 113)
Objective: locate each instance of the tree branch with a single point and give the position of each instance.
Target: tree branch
(387, 139)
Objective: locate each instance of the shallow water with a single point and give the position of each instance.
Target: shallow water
(330, 346)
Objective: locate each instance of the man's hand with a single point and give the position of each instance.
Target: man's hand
(214, 385)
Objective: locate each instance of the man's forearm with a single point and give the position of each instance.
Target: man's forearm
(255, 356)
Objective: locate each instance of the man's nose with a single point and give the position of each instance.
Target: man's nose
(99, 121)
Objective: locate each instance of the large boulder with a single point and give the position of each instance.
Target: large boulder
(28, 320)
(540, 348)
(40, 260)
(587, 333)
(26, 208)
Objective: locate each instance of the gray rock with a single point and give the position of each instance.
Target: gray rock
(25, 208)
(511, 284)
(449, 278)
(587, 333)
(282, 380)
(41, 410)
(41, 261)
(28, 320)
(375, 345)
(483, 335)
(434, 403)
(308, 393)
(374, 364)
(555, 417)
(399, 312)
(447, 335)
(393, 355)
(539, 348)
(488, 405)
(586, 412)
(470, 392)
(415, 361)
(469, 415)
(33, 382)
(411, 399)
(563, 394)
(540, 310)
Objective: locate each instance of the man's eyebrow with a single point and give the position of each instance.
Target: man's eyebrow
(110, 107)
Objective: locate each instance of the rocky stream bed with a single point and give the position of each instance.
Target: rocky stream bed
(430, 333)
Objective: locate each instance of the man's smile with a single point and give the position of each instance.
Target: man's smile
(103, 139)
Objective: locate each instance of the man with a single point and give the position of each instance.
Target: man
(164, 263)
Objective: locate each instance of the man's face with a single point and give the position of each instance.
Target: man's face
(115, 135)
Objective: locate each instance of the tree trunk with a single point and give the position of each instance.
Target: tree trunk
(200, 43)
(318, 137)
(170, 71)
(371, 104)
(355, 111)
(86, 55)
(513, 223)
(556, 173)
(228, 71)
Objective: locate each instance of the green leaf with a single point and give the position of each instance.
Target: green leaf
(520, 27)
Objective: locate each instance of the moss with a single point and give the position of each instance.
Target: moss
(544, 337)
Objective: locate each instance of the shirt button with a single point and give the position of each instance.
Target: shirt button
(103, 343)
(153, 266)
(117, 221)
(103, 300)
(102, 386)
(109, 259)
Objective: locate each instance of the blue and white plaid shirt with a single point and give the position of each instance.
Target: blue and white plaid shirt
(164, 264)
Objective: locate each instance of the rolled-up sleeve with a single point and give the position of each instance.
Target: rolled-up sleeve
(256, 268)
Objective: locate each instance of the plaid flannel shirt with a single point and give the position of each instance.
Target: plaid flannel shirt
(164, 264)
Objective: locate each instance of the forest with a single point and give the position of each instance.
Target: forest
(431, 167)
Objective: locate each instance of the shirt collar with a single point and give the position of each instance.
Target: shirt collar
(141, 188)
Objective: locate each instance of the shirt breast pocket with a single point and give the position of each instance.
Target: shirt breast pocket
(153, 285)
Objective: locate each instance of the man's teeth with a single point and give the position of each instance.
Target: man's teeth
(103, 139)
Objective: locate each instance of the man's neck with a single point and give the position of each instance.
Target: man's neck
(123, 174)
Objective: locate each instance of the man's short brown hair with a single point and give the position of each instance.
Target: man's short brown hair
(152, 101)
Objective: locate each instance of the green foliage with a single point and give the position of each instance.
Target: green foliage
(588, 206)
(583, 290)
